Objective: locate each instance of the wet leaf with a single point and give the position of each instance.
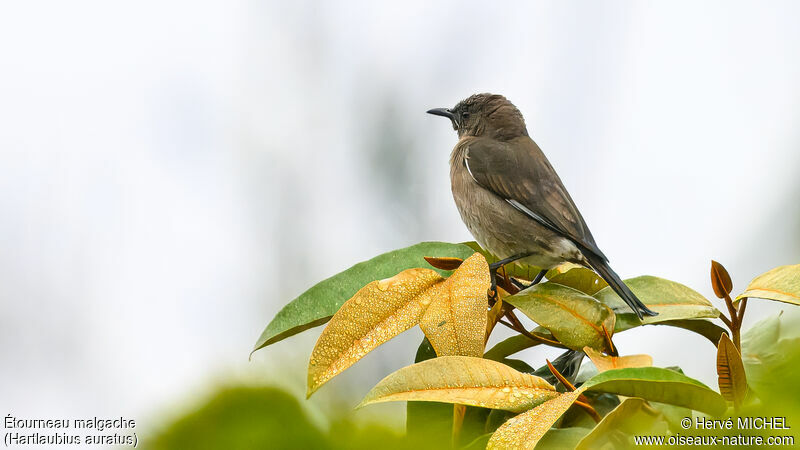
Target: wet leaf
(781, 284)
(318, 304)
(517, 269)
(464, 380)
(659, 385)
(451, 313)
(730, 372)
(455, 321)
(574, 318)
(632, 417)
(603, 362)
(494, 315)
(669, 299)
(577, 277)
(378, 312)
(720, 280)
(525, 430)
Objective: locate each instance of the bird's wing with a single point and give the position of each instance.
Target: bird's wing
(518, 172)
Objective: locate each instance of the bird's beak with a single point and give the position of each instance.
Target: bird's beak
(444, 112)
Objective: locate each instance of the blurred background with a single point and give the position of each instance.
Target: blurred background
(173, 173)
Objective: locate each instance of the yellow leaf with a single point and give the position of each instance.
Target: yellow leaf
(451, 313)
(376, 313)
(455, 321)
(603, 362)
(730, 371)
(781, 284)
(525, 430)
(464, 380)
(495, 314)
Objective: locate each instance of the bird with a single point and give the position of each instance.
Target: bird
(512, 200)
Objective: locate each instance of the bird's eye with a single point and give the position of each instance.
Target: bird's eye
(464, 115)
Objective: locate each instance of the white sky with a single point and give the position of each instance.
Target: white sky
(172, 174)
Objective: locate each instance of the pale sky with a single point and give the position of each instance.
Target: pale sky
(172, 174)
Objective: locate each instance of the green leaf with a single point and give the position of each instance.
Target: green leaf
(562, 438)
(659, 385)
(518, 365)
(672, 414)
(317, 305)
(770, 354)
(479, 443)
(518, 342)
(577, 277)
(429, 420)
(632, 416)
(574, 318)
(781, 284)
(517, 269)
(669, 299)
(703, 327)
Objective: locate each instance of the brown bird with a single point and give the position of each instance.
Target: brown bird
(512, 200)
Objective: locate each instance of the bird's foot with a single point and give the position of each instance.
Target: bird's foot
(492, 292)
(521, 286)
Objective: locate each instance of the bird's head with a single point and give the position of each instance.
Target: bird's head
(489, 115)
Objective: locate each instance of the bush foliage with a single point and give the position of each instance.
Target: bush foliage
(459, 393)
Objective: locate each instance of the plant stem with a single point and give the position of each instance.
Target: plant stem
(589, 410)
(742, 307)
(731, 310)
(531, 336)
(726, 321)
(735, 322)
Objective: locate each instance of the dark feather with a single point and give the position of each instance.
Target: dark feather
(518, 172)
(601, 267)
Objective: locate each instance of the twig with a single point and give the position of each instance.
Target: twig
(521, 330)
(726, 321)
(560, 377)
(531, 336)
(589, 410)
(742, 307)
(731, 310)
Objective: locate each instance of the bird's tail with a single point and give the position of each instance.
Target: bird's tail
(600, 265)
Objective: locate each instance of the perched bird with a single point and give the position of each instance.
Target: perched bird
(512, 200)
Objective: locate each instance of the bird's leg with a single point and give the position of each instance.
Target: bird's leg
(496, 265)
(536, 280)
(519, 284)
